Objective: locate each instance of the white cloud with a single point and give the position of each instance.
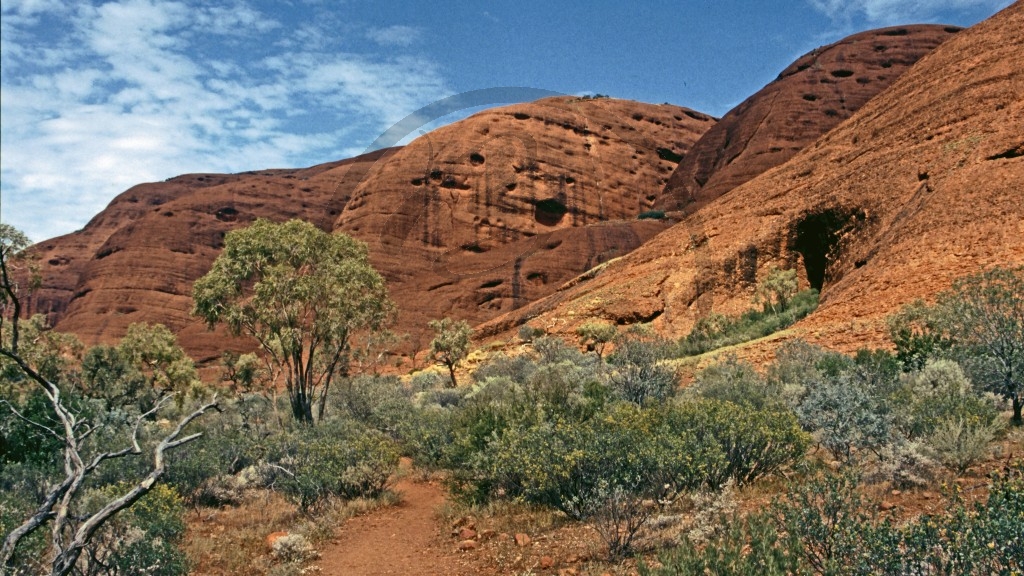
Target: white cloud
(890, 12)
(137, 90)
(394, 35)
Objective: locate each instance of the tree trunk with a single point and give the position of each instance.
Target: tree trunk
(451, 372)
(1016, 420)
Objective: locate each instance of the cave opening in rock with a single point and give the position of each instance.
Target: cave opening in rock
(817, 240)
(549, 212)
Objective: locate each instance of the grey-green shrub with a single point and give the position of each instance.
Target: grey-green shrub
(336, 459)
(737, 381)
(637, 373)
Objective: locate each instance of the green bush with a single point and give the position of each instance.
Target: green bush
(824, 528)
(651, 215)
(638, 374)
(737, 381)
(333, 460)
(939, 393)
(846, 416)
(753, 443)
(717, 331)
(750, 546)
(142, 539)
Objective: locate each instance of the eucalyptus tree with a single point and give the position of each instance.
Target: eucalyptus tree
(303, 294)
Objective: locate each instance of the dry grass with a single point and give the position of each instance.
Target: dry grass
(232, 540)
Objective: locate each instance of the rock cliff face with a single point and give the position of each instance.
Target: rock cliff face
(469, 221)
(918, 187)
(495, 211)
(809, 98)
(136, 260)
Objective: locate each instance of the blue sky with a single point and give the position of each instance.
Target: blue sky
(98, 96)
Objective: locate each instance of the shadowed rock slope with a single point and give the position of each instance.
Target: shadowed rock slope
(920, 186)
(470, 220)
(809, 98)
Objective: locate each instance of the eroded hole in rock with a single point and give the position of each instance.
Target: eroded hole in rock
(549, 212)
(521, 116)
(896, 32)
(537, 277)
(817, 237)
(476, 159)
(226, 214)
(474, 248)
(1008, 154)
(810, 97)
(491, 284)
(842, 73)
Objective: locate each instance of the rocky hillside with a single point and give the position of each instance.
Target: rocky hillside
(809, 98)
(918, 187)
(471, 220)
(488, 214)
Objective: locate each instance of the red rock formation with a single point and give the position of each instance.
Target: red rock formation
(809, 98)
(470, 245)
(485, 215)
(920, 186)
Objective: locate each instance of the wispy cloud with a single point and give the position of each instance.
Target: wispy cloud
(394, 35)
(99, 97)
(888, 12)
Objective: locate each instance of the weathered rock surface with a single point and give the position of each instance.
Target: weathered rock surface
(136, 260)
(495, 211)
(509, 204)
(809, 98)
(920, 186)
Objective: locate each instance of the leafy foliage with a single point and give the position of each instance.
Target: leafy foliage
(717, 331)
(980, 323)
(303, 294)
(450, 344)
(595, 335)
(332, 460)
(823, 528)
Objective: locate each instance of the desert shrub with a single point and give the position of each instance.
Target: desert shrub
(651, 215)
(382, 403)
(904, 464)
(717, 331)
(551, 350)
(426, 436)
(443, 397)
(939, 406)
(916, 333)
(940, 393)
(737, 381)
(824, 527)
(617, 512)
(846, 416)
(827, 517)
(427, 380)
(958, 444)
(750, 546)
(774, 291)
(293, 548)
(337, 459)
(638, 374)
(141, 540)
(515, 368)
(528, 333)
(752, 443)
(979, 539)
(596, 334)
